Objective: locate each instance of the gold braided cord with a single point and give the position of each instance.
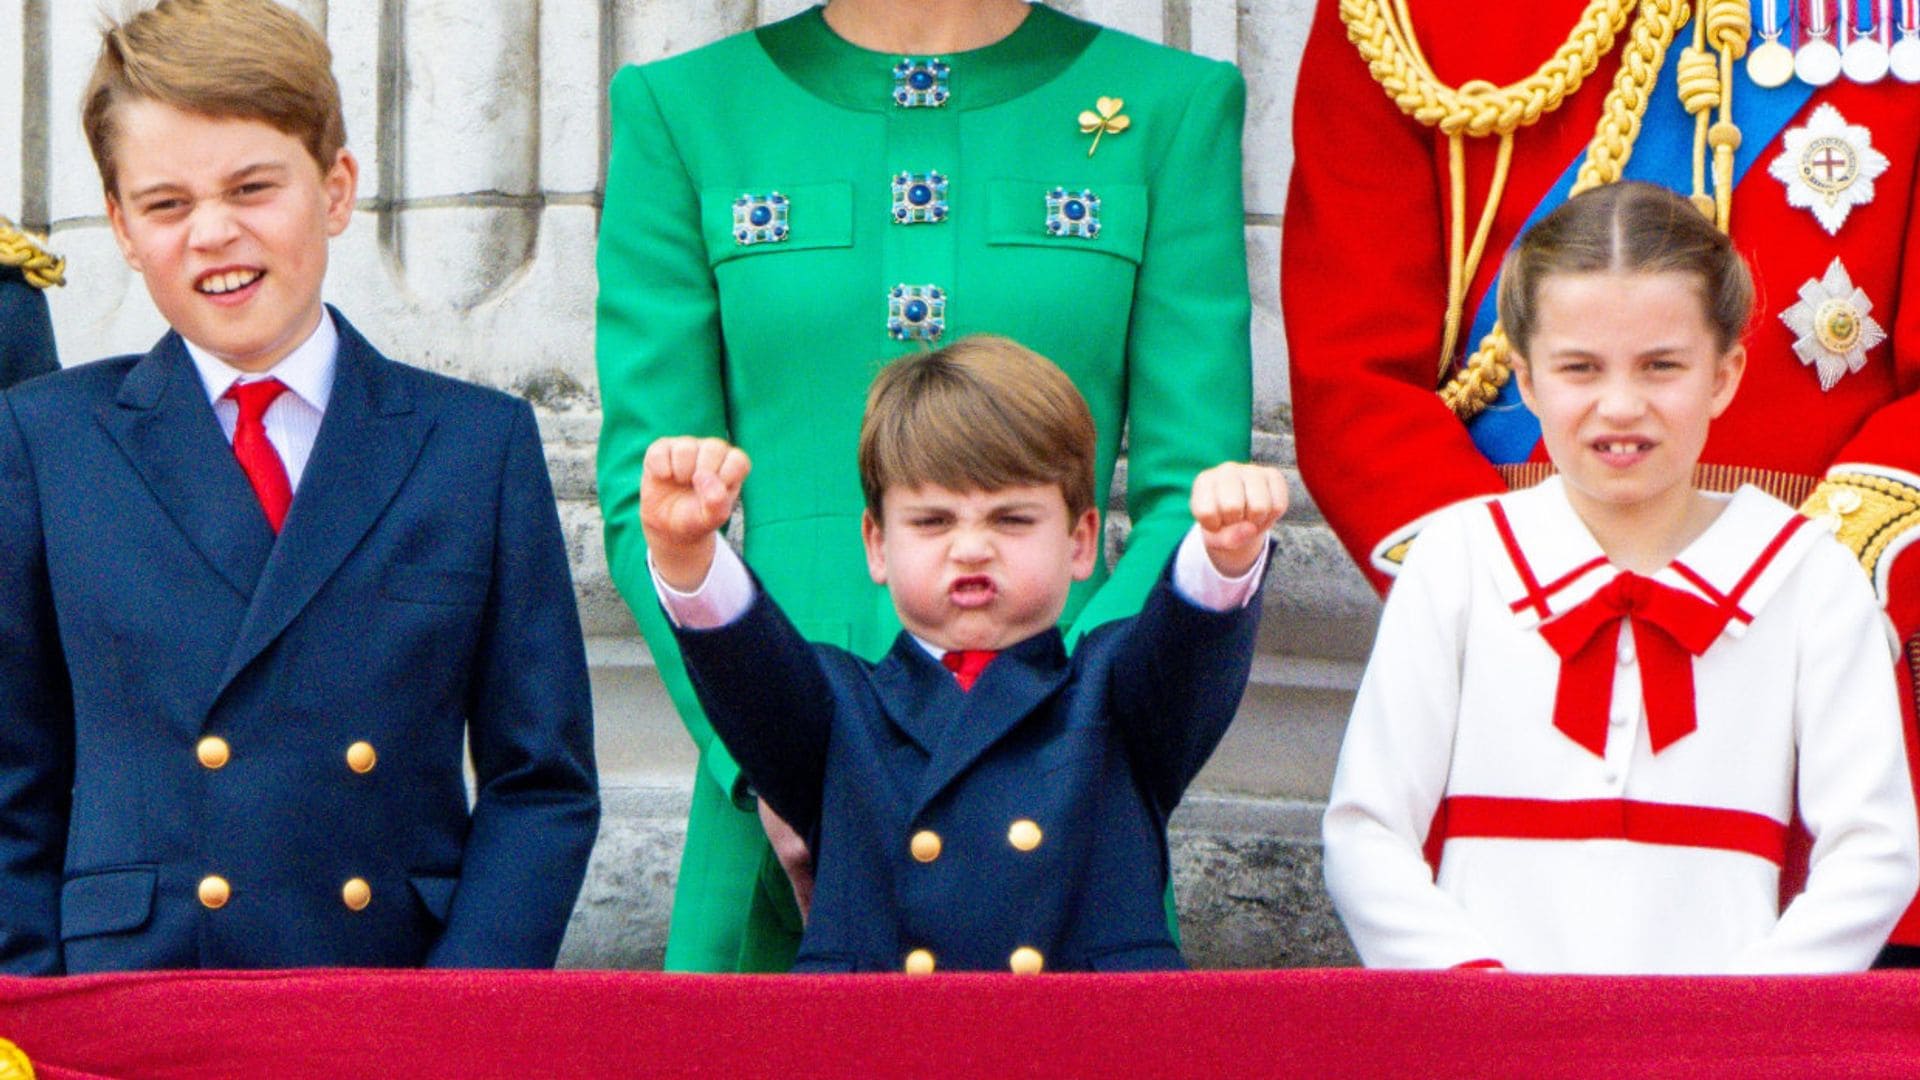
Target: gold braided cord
(1385, 41)
(1720, 36)
(42, 269)
(1868, 512)
(1478, 382)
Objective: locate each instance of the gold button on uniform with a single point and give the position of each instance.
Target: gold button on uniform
(215, 892)
(925, 845)
(1023, 835)
(356, 894)
(919, 962)
(1026, 960)
(213, 751)
(361, 758)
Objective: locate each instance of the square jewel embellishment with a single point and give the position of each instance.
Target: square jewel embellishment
(919, 198)
(1073, 213)
(916, 312)
(760, 219)
(920, 84)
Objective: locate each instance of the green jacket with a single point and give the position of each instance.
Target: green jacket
(772, 343)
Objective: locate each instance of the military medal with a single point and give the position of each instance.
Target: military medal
(1816, 61)
(1832, 328)
(1864, 56)
(1828, 167)
(1770, 64)
(1904, 57)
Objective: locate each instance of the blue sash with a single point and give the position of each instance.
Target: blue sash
(1663, 154)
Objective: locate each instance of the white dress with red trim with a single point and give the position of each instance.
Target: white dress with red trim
(1605, 766)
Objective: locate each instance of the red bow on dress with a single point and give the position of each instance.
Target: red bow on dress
(1670, 628)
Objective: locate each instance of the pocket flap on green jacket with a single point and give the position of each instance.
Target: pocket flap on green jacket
(807, 216)
(1020, 211)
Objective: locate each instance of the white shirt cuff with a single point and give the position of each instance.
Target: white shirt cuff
(724, 596)
(1200, 583)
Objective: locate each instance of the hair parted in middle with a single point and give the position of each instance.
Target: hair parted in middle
(982, 414)
(1626, 227)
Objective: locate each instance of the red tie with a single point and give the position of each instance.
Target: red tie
(258, 459)
(967, 664)
(1670, 628)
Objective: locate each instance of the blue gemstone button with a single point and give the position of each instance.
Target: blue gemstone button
(1073, 213)
(759, 219)
(919, 198)
(916, 312)
(919, 84)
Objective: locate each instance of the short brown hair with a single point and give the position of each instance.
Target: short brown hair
(1626, 227)
(239, 59)
(981, 414)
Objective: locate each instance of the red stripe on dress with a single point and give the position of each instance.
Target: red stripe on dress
(1535, 598)
(1489, 817)
(1731, 601)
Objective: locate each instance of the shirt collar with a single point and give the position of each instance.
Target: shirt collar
(307, 370)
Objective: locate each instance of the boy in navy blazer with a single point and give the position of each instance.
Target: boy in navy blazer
(259, 584)
(977, 800)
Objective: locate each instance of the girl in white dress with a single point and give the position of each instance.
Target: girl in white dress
(1597, 708)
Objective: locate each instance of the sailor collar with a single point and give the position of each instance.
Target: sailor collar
(1550, 563)
(834, 69)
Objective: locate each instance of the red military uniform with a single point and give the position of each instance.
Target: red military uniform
(1364, 285)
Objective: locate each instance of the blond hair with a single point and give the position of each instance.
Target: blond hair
(1626, 227)
(981, 414)
(230, 59)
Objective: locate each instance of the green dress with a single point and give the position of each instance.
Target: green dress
(762, 255)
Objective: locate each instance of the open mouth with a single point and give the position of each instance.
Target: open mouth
(1622, 451)
(226, 282)
(974, 590)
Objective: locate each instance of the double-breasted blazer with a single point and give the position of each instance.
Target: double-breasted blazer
(225, 748)
(772, 343)
(1027, 815)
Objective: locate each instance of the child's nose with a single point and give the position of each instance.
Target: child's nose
(1621, 400)
(211, 226)
(970, 546)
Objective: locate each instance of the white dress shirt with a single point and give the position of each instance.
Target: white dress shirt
(293, 420)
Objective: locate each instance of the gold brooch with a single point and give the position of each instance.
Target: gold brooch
(1108, 119)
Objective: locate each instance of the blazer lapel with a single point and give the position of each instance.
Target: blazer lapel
(1010, 689)
(162, 421)
(365, 448)
(914, 689)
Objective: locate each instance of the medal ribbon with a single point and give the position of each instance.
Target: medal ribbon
(1669, 627)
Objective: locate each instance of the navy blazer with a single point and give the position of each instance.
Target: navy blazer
(419, 595)
(26, 333)
(1095, 750)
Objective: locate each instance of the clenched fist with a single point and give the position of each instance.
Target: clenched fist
(687, 490)
(1235, 504)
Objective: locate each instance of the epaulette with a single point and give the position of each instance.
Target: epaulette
(42, 268)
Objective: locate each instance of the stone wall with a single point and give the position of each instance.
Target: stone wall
(481, 131)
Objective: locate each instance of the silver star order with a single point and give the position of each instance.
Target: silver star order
(1828, 166)
(1833, 330)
